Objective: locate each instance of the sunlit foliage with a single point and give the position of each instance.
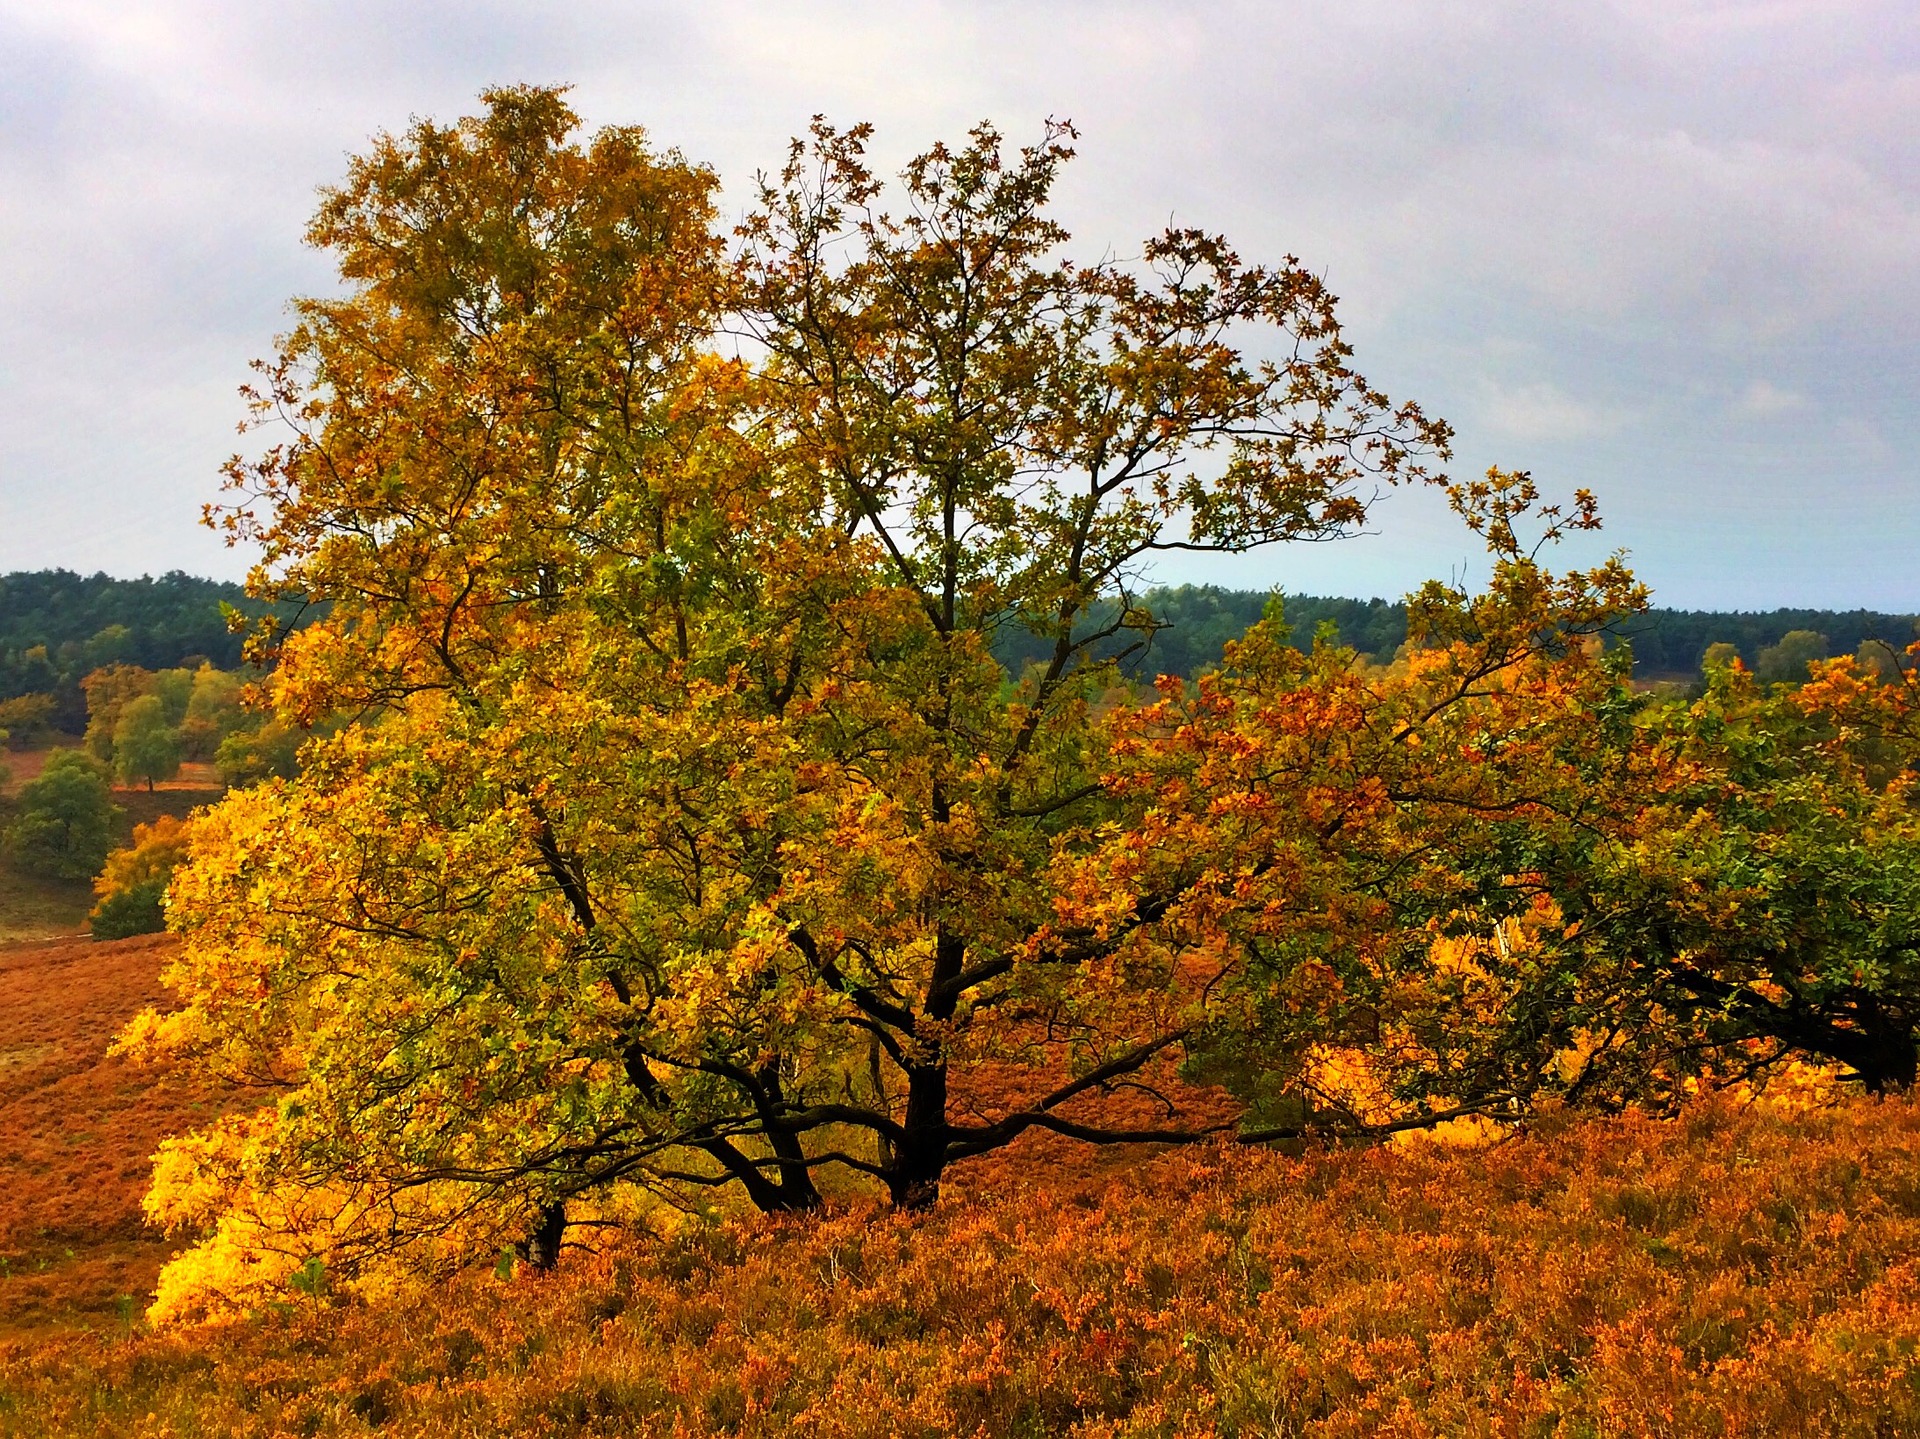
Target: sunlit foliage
(689, 834)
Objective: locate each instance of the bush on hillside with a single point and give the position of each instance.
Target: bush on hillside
(128, 912)
(65, 824)
(133, 885)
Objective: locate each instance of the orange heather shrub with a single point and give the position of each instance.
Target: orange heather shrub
(1732, 1272)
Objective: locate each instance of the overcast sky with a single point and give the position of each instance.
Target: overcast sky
(1667, 249)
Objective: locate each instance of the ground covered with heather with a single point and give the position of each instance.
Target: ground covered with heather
(78, 1127)
(35, 907)
(1742, 1270)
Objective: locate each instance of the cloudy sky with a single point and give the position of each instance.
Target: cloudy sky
(1667, 249)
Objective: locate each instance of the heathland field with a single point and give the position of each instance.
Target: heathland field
(77, 1129)
(1735, 1271)
(77, 1126)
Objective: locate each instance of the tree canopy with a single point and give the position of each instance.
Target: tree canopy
(674, 827)
(145, 747)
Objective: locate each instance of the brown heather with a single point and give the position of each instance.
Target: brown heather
(77, 1130)
(1733, 1272)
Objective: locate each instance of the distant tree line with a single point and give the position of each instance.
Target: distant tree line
(57, 627)
(1194, 624)
(1197, 621)
(1673, 642)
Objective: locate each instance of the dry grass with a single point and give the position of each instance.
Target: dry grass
(197, 780)
(1735, 1272)
(77, 1128)
(34, 908)
(1732, 1273)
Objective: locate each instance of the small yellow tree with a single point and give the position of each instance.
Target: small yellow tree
(132, 886)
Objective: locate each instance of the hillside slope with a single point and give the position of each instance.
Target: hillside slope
(35, 907)
(77, 1128)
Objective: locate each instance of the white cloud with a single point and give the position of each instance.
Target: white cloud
(1764, 400)
(1542, 410)
(1576, 229)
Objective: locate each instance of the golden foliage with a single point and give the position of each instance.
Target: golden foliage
(156, 850)
(676, 830)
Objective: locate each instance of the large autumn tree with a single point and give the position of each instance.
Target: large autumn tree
(676, 827)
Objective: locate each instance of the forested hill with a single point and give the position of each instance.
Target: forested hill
(56, 626)
(1673, 641)
(165, 619)
(1200, 619)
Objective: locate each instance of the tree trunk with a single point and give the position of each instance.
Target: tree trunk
(1885, 1061)
(920, 1158)
(796, 1188)
(541, 1249)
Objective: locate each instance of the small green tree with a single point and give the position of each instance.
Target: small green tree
(249, 756)
(175, 690)
(110, 690)
(1720, 656)
(1876, 658)
(1788, 661)
(65, 827)
(214, 711)
(145, 746)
